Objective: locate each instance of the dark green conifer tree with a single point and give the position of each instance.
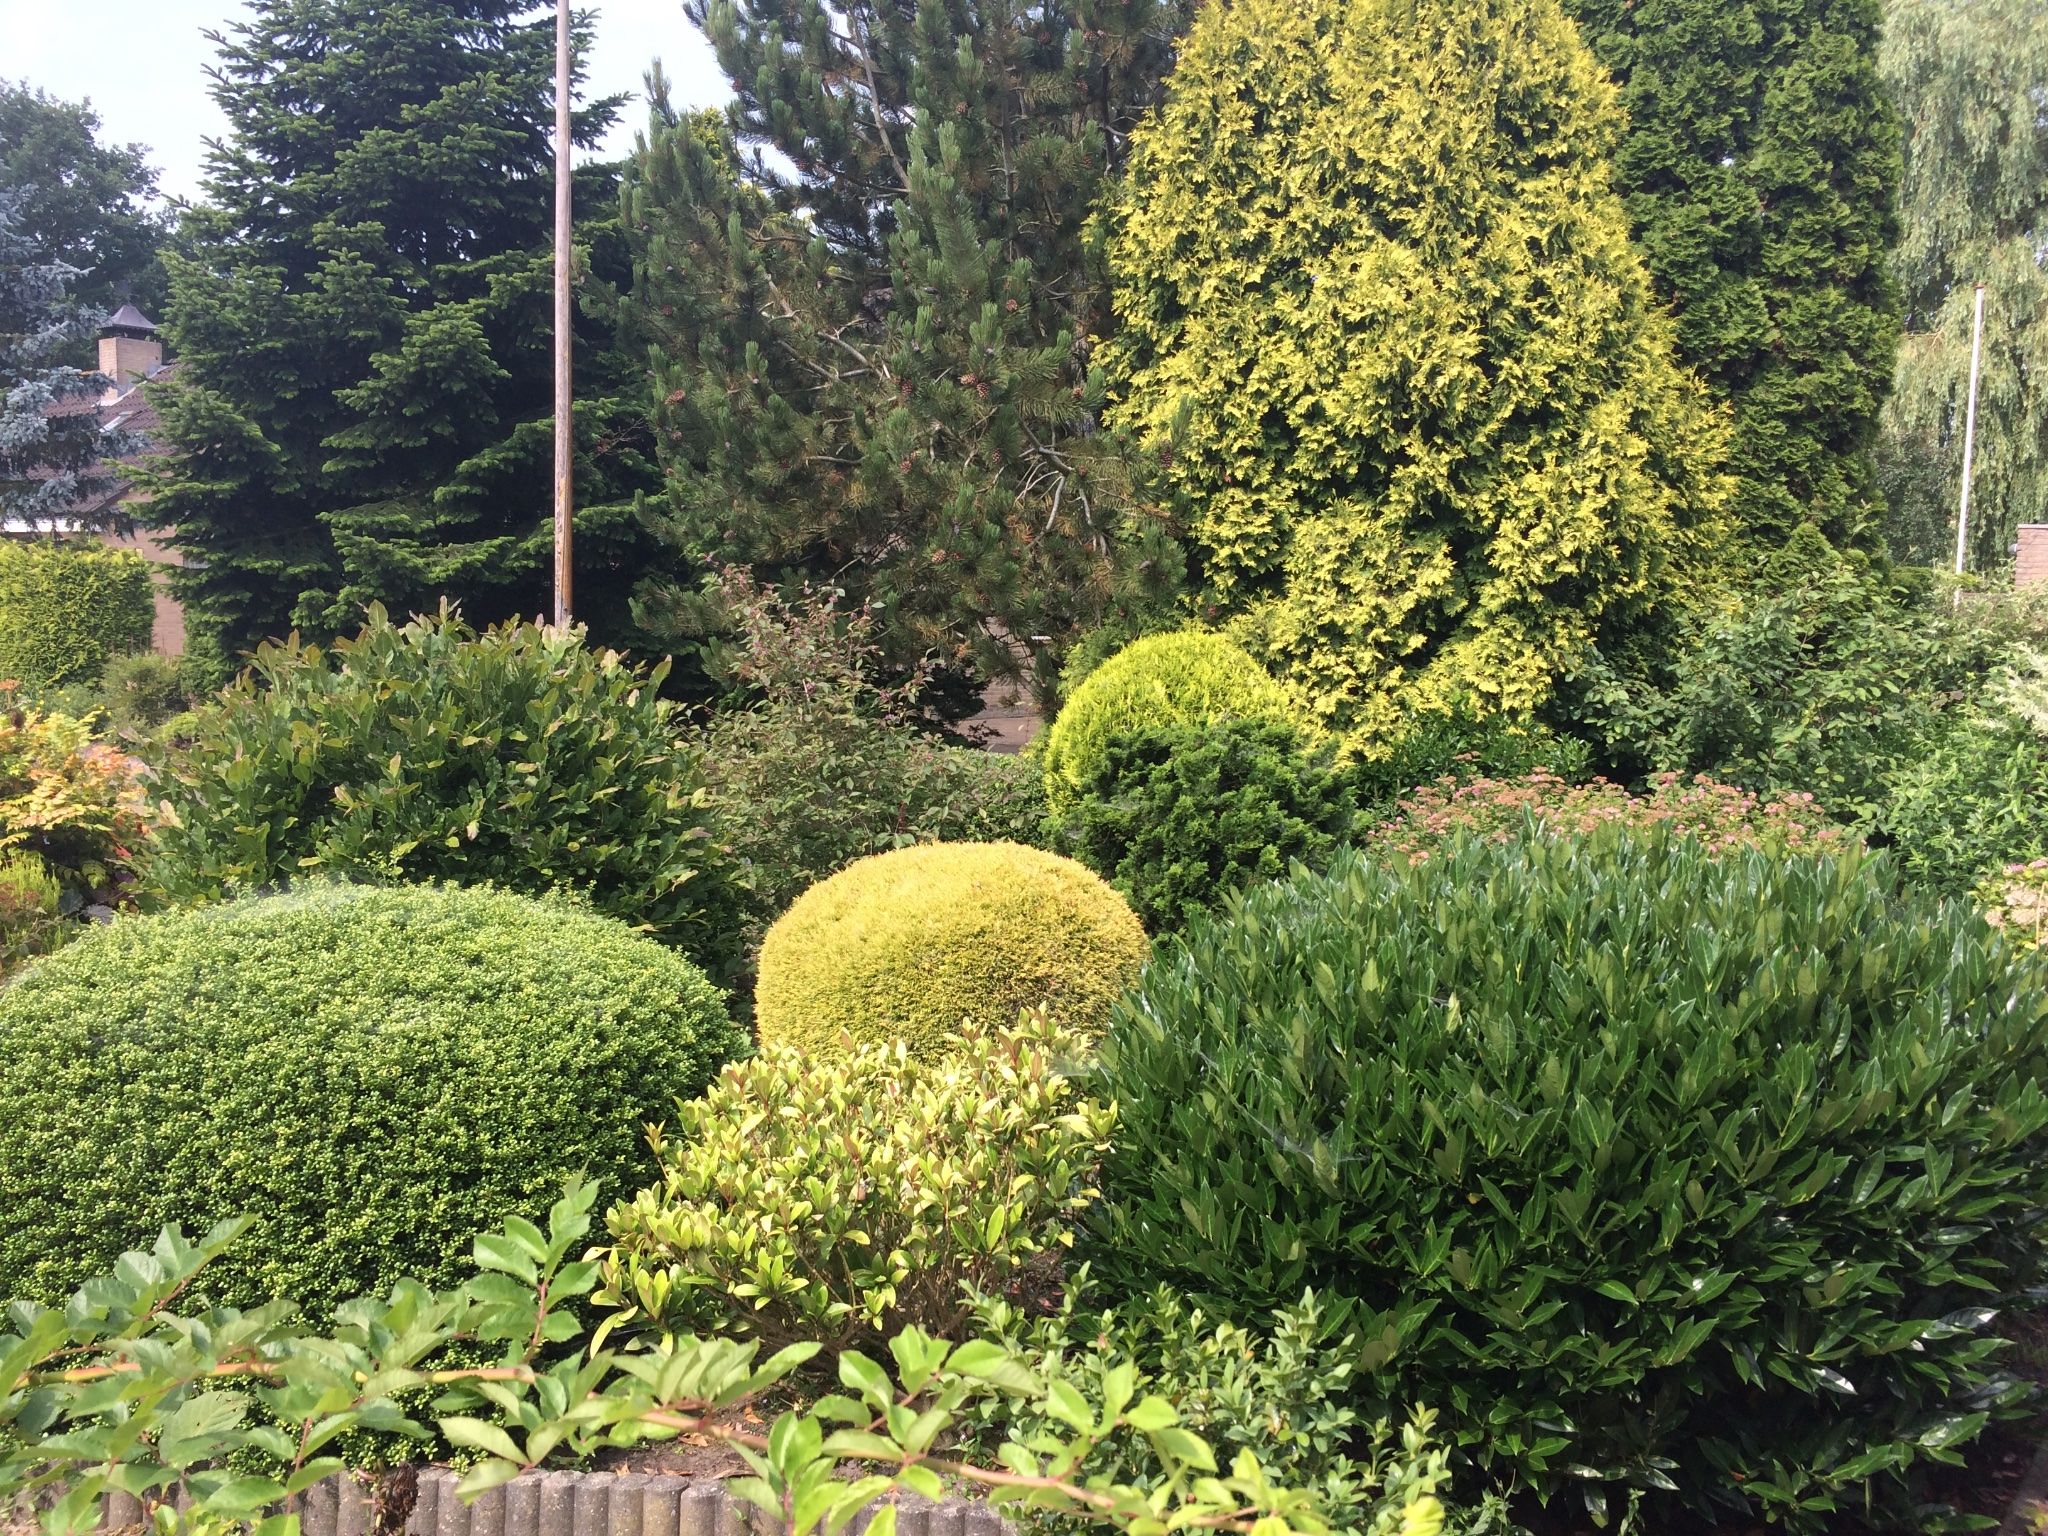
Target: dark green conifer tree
(869, 300)
(363, 409)
(1761, 171)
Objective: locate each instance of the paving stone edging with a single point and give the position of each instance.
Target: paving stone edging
(574, 1504)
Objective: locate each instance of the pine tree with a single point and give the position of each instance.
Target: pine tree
(869, 301)
(53, 447)
(363, 409)
(1380, 308)
(1971, 81)
(86, 204)
(1761, 168)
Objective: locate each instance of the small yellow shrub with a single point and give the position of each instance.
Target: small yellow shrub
(912, 945)
(1189, 677)
(821, 1199)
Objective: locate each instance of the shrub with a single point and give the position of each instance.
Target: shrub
(225, 1413)
(825, 1197)
(141, 692)
(1974, 801)
(369, 1073)
(1462, 744)
(819, 762)
(65, 609)
(2016, 899)
(916, 944)
(29, 920)
(1719, 815)
(71, 801)
(1188, 677)
(1177, 818)
(1653, 1167)
(1282, 1392)
(427, 751)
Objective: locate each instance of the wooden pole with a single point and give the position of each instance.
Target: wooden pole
(1970, 429)
(564, 402)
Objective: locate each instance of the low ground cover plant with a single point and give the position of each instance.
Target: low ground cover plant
(367, 1073)
(1177, 817)
(1185, 677)
(132, 1387)
(429, 751)
(915, 944)
(1667, 1172)
(829, 1197)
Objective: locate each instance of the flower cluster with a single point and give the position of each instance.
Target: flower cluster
(1719, 815)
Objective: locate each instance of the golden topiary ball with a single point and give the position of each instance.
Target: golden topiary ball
(912, 944)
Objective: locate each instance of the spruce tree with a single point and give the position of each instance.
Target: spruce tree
(869, 301)
(54, 450)
(363, 410)
(1380, 310)
(1761, 170)
(1971, 80)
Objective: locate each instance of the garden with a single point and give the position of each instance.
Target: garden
(1508, 997)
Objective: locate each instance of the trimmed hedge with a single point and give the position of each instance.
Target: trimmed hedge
(66, 609)
(1178, 818)
(1652, 1166)
(914, 944)
(1189, 677)
(371, 1074)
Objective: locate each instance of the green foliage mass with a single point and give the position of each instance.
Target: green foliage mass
(1178, 817)
(66, 610)
(871, 348)
(1655, 1167)
(84, 203)
(231, 1412)
(913, 945)
(1186, 677)
(1761, 173)
(826, 1196)
(366, 1073)
(361, 306)
(427, 751)
(30, 923)
(1283, 1390)
(1379, 308)
(1969, 80)
(817, 760)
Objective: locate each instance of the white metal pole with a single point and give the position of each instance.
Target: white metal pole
(1970, 429)
(564, 401)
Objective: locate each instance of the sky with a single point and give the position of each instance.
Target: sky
(143, 65)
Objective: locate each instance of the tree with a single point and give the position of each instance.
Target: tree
(53, 449)
(1971, 81)
(1381, 313)
(363, 410)
(1760, 168)
(86, 204)
(869, 301)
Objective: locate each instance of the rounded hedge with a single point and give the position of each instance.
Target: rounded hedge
(373, 1075)
(1652, 1166)
(66, 609)
(1188, 677)
(915, 943)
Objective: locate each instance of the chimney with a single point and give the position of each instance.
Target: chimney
(129, 350)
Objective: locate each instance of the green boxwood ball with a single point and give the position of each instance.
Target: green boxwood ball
(373, 1075)
(1189, 677)
(912, 944)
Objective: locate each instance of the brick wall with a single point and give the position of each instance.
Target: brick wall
(2031, 566)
